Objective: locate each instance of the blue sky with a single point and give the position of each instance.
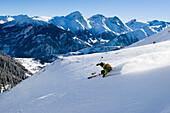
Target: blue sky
(124, 9)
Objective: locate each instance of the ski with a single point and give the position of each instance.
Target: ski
(94, 76)
(94, 73)
(109, 74)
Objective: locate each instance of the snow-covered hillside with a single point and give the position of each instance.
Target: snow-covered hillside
(63, 86)
(159, 37)
(31, 64)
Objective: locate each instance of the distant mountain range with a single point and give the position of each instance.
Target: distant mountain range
(46, 37)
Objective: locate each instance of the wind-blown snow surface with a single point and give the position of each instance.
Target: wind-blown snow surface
(63, 87)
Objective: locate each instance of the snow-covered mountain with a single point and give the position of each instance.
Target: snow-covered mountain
(117, 43)
(94, 28)
(62, 86)
(135, 24)
(45, 37)
(20, 19)
(97, 23)
(73, 22)
(35, 38)
(164, 35)
(99, 29)
(101, 24)
(140, 31)
(127, 38)
(150, 27)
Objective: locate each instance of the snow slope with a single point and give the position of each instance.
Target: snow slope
(63, 86)
(164, 35)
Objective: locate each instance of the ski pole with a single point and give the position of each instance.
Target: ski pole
(100, 59)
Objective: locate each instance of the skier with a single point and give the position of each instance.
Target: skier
(107, 68)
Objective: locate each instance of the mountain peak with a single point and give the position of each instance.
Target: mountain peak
(132, 21)
(75, 14)
(116, 17)
(97, 16)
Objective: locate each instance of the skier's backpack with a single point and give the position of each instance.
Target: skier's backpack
(108, 66)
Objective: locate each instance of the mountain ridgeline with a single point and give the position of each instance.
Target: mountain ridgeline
(45, 37)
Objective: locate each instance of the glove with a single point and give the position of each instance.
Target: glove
(97, 64)
(103, 75)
